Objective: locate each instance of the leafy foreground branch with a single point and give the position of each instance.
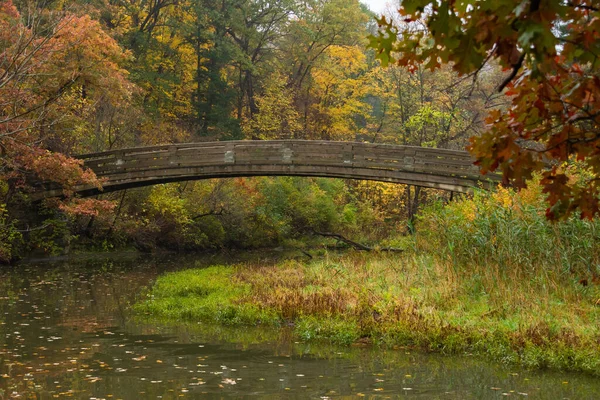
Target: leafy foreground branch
(537, 308)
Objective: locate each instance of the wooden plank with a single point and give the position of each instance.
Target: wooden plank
(452, 163)
(400, 152)
(379, 159)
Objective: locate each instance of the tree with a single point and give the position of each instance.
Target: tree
(550, 50)
(426, 108)
(318, 26)
(54, 67)
(277, 118)
(254, 27)
(163, 64)
(338, 88)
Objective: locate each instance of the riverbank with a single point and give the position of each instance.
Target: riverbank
(393, 300)
(487, 276)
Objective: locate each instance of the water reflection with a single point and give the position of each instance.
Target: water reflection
(65, 331)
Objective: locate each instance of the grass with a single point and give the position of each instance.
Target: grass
(486, 275)
(206, 294)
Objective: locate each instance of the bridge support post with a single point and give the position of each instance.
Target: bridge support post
(348, 154)
(229, 156)
(287, 154)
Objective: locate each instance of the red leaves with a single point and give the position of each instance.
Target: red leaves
(589, 204)
(555, 110)
(43, 100)
(566, 195)
(539, 104)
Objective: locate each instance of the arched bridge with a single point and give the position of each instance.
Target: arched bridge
(142, 166)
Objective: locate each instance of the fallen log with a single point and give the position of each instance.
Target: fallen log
(356, 245)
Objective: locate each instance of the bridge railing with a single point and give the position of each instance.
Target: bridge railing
(292, 152)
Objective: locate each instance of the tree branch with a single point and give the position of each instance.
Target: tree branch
(516, 67)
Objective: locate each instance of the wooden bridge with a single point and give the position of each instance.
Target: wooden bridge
(142, 166)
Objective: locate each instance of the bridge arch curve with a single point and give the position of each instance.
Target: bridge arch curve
(143, 166)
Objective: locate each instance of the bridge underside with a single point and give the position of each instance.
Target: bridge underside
(130, 168)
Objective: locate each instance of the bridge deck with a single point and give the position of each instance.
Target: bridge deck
(142, 166)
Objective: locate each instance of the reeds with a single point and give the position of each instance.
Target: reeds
(509, 230)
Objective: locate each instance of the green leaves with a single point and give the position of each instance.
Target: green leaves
(384, 41)
(414, 6)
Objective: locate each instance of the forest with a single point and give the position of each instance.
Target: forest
(81, 77)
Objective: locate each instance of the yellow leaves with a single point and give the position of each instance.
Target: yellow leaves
(504, 197)
(521, 203)
(278, 117)
(165, 201)
(339, 64)
(339, 84)
(532, 195)
(349, 58)
(468, 210)
(163, 132)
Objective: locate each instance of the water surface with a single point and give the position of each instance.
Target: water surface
(66, 332)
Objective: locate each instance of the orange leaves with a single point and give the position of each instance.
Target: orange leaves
(87, 207)
(57, 167)
(52, 75)
(49, 71)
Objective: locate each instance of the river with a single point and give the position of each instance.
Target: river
(66, 332)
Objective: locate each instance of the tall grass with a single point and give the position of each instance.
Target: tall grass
(509, 230)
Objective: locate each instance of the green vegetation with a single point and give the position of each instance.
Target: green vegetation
(465, 284)
(206, 295)
(188, 71)
(242, 213)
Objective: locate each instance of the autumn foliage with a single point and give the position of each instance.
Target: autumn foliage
(549, 50)
(82, 77)
(50, 70)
